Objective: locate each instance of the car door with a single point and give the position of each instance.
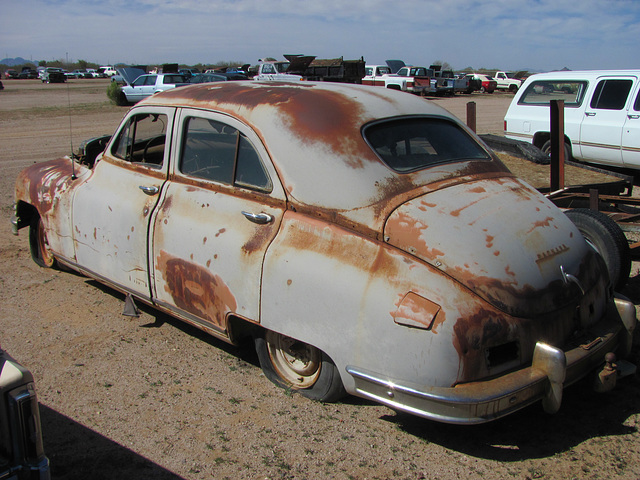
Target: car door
(111, 211)
(631, 133)
(217, 216)
(604, 117)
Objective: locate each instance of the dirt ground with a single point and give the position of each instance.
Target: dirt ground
(150, 397)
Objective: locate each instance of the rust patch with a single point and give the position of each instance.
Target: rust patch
(408, 235)
(195, 289)
(42, 183)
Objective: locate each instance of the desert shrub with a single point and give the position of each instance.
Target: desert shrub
(114, 92)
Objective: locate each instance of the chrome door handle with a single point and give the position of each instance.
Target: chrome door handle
(590, 114)
(633, 116)
(259, 218)
(149, 190)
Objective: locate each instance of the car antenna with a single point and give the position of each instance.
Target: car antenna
(73, 162)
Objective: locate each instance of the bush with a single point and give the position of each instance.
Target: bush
(114, 92)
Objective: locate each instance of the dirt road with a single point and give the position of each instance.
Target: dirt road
(149, 397)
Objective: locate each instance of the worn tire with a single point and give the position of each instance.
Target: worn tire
(546, 149)
(295, 365)
(607, 238)
(39, 245)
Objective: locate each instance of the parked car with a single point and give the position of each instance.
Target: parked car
(28, 73)
(21, 450)
(107, 71)
(53, 75)
(207, 77)
(11, 73)
(487, 84)
(365, 239)
(81, 73)
(475, 83)
(146, 85)
(601, 114)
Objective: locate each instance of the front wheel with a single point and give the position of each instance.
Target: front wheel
(296, 365)
(39, 244)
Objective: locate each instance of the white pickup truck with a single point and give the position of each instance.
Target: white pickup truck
(505, 82)
(376, 75)
(411, 79)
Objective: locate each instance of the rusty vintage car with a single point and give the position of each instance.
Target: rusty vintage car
(365, 239)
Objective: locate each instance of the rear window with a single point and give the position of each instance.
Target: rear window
(411, 144)
(541, 92)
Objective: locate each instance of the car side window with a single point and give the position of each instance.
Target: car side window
(611, 94)
(215, 151)
(636, 105)
(142, 140)
(268, 68)
(139, 81)
(150, 80)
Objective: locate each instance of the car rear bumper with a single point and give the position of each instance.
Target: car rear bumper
(483, 401)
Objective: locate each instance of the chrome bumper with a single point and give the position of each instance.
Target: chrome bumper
(483, 401)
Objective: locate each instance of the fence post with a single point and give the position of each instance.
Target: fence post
(557, 144)
(471, 116)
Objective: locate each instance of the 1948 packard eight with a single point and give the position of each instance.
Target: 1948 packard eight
(366, 239)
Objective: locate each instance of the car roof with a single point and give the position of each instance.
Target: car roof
(583, 74)
(313, 133)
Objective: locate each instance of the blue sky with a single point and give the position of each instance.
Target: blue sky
(538, 35)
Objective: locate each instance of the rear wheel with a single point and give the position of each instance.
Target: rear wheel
(546, 149)
(39, 244)
(607, 238)
(293, 364)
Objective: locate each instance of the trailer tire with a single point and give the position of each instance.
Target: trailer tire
(607, 238)
(298, 366)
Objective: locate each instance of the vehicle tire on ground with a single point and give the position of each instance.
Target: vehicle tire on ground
(546, 149)
(513, 88)
(39, 245)
(607, 238)
(295, 365)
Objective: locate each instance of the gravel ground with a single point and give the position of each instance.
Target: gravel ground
(150, 397)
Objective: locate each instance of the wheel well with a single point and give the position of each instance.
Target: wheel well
(540, 138)
(394, 87)
(25, 212)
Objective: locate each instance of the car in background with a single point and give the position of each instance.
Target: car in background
(601, 115)
(21, 448)
(207, 77)
(28, 73)
(487, 84)
(475, 83)
(53, 75)
(11, 73)
(107, 71)
(81, 73)
(428, 278)
(150, 84)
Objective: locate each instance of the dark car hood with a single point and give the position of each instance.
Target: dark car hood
(129, 74)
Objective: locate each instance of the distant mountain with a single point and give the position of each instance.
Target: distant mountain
(12, 62)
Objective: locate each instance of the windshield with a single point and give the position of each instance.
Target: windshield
(411, 144)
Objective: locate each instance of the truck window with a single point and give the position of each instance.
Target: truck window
(611, 94)
(541, 92)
